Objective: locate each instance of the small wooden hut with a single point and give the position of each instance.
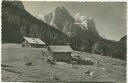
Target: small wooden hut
(61, 53)
(33, 42)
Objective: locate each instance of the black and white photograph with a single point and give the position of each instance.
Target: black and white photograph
(63, 41)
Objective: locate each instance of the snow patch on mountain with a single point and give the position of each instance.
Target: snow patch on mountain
(40, 17)
(53, 18)
(82, 20)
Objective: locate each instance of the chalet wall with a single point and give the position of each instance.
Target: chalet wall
(62, 56)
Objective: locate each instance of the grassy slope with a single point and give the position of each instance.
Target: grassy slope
(16, 57)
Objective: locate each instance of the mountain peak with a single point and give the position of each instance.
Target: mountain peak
(87, 22)
(61, 8)
(124, 38)
(65, 22)
(58, 17)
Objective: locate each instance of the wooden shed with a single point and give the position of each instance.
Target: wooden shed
(33, 42)
(61, 53)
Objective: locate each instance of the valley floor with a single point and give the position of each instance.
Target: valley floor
(14, 68)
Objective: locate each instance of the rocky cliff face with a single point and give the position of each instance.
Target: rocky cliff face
(86, 23)
(72, 26)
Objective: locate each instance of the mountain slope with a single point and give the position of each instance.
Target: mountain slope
(120, 48)
(16, 23)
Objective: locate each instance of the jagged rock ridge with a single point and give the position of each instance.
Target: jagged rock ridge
(63, 21)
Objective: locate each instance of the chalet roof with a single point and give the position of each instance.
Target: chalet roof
(60, 48)
(34, 40)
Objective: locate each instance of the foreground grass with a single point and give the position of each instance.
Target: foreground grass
(15, 58)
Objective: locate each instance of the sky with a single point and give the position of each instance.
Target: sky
(109, 17)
